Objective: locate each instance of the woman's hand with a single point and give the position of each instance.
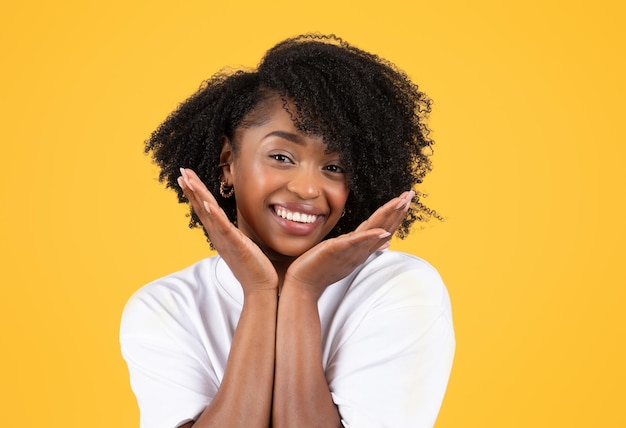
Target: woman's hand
(246, 260)
(334, 259)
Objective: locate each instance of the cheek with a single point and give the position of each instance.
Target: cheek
(338, 197)
(246, 174)
(254, 185)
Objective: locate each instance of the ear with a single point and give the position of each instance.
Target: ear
(227, 157)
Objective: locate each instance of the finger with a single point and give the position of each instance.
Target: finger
(185, 175)
(190, 193)
(392, 207)
(341, 254)
(242, 255)
(384, 246)
(198, 206)
(196, 185)
(361, 244)
(390, 215)
(213, 218)
(200, 195)
(395, 219)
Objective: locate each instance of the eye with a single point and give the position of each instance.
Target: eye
(335, 168)
(280, 158)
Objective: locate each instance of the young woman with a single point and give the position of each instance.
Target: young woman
(299, 172)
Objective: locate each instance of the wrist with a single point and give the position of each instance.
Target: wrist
(300, 291)
(260, 293)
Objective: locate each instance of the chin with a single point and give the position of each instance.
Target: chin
(282, 251)
(289, 252)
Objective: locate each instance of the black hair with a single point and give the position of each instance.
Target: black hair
(361, 105)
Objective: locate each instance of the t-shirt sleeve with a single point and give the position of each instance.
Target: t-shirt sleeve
(169, 376)
(392, 366)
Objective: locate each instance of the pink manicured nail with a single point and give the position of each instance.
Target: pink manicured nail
(401, 204)
(186, 178)
(409, 198)
(206, 207)
(189, 185)
(180, 182)
(384, 235)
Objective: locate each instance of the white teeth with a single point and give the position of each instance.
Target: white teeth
(297, 217)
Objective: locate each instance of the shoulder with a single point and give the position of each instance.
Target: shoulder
(392, 294)
(171, 297)
(187, 281)
(396, 262)
(165, 341)
(403, 278)
(390, 345)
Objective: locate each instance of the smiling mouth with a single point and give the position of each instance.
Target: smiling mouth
(294, 215)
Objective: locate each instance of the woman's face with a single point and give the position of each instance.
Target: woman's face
(290, 191)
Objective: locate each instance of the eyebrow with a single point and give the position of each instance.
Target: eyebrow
(289, 136)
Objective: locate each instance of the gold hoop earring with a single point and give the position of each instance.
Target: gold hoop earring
(226, 193)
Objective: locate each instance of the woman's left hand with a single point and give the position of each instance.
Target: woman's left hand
(333, 259)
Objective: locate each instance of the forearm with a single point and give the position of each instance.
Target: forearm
(301, 393)
(245, 395)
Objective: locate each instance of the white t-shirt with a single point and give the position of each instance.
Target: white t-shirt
(387, 341)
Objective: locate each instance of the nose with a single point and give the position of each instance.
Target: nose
(305, 183)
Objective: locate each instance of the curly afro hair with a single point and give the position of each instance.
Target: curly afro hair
(361, 105)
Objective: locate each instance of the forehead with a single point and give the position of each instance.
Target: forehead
(272, 118)
(283, 113)
(275, 117)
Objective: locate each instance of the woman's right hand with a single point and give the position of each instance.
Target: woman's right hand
(245, 259)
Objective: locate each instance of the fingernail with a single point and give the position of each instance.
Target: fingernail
(206, 207)
(186, 178)
(189, 185)
(409, 199)
(384, 235)
(180, 182)
(401, 204)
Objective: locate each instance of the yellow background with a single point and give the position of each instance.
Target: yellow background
(529, 124)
